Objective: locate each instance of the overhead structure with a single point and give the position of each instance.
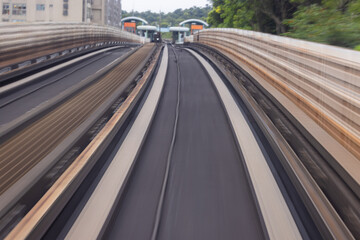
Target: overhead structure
(195, 25)
(194, 21)
(129, 23)
(179, 33)
(135, 19)
(147, 31)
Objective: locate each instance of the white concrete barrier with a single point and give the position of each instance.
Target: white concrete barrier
(21, 42)
(323, 80)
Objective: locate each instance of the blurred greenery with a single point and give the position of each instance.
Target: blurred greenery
(327, 23)
(335, 22)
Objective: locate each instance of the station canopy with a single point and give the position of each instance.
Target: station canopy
(179, 29)
(194, 21)
(128, 19)
(147, 28)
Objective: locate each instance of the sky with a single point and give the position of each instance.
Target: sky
(163, 5)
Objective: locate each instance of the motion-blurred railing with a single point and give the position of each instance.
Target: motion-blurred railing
(25, 44)
(324, 81)
(317, 85)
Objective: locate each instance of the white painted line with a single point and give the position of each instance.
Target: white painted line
(276, 214)
(42, 73)
(92, 218)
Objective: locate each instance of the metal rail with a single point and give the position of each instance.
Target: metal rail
(169, 156)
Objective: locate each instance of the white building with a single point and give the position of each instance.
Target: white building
(104, 12)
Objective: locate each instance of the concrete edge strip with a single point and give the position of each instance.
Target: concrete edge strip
(89, 223)
(8, 128)
(27, 80)
(47, 206)
(276, 214)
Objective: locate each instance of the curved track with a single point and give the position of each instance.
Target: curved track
(201, 169)
(196, 175)
(207, 195)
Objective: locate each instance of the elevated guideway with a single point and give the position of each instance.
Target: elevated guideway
(206, 189)
(186, 176)
(237, 134)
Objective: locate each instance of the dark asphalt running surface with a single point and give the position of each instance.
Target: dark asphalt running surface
(208, 194)
(85, 68)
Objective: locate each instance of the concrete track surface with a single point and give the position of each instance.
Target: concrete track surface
(208, 195)
(189, 179)
(198, 171)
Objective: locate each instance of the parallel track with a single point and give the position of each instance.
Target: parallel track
(9, 59)
(25, 149)
(47, 83)
(37, 221)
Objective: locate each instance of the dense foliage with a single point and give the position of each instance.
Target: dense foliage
(171, 18)
(260, 15)
(334, 22)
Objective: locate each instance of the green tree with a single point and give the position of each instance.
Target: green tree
(335, 22)
(255, 14)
